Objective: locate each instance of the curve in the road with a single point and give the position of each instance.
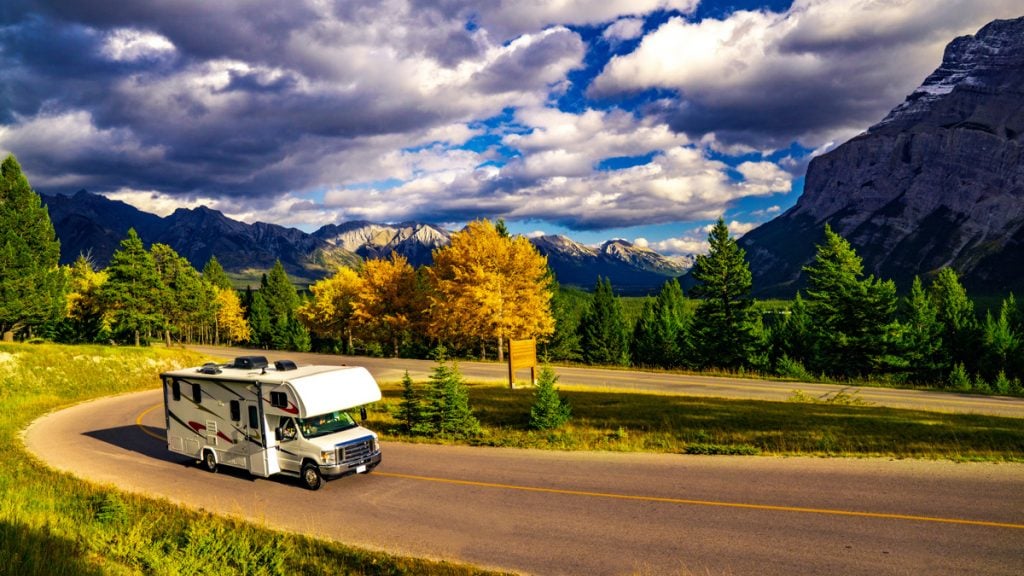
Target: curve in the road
(573, 513)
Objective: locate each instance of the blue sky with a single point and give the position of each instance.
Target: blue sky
(635, 119)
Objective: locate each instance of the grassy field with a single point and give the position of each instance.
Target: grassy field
(53, 523)
(843, 426)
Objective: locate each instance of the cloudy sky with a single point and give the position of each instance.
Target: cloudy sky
(638, 119)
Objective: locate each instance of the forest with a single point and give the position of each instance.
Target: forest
(488, 287)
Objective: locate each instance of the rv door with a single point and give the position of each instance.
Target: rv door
(262, 443)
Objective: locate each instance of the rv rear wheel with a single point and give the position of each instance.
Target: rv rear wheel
(209, 461)
(311, 477)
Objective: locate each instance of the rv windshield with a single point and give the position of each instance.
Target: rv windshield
(325, 424)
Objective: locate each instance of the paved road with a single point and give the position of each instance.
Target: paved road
(389, 369)
(590, 513)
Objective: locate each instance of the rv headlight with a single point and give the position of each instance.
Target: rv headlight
(376, 444)
(327, 456)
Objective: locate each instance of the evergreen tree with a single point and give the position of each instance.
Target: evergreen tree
(794, 339)
(1002, 343)
(447, 410)
(133, 292)
(260, 325)
(955, 311)
(646, 347)
(603, 334)
(723, 325)
(566, 310)
(279, 294)
(32, 284)
(214, 273)
(921, 342)
(410, 410)
(549, 410)
(852, 317)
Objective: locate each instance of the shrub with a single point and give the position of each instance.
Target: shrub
(549, 410)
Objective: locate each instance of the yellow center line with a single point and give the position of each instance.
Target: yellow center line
(684, 501)
(138, 422)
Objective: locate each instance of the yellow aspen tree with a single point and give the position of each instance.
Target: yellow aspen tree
(490, 286)
(390, 303)
(230, 316)
(330, 312)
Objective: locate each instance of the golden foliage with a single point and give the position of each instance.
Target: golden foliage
(330, 312)
(230, 317)
(390, 303)
(486, 285)
(83, 299)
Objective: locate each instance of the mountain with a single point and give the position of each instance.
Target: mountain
(938, 182)
(631, 269)
(95, 225)
(413, 240)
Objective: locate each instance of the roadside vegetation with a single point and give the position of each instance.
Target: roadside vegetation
(838, 425)
(53, 523)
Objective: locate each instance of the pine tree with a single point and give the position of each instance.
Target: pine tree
(214, 273)
(549, 410)
(133, 292)
(261, 327)
(567, 306)
(447, 409)
(279, 294)
(723, 326)
(410, 410)
(955, 311)
(921, 342)
(646, 347)
(32, 284)
(603, 333)
(852, 317)
(1002, 343)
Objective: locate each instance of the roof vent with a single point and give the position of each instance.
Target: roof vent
(283, 365)
(250, 362)
(209, 368)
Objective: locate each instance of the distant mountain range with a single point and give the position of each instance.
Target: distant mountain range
(94, 225)
(938, 182)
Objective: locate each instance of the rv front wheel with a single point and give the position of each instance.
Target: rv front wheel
(311, 477)
(209, 461)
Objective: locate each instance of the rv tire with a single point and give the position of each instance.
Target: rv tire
(209, 461)
(311, 477)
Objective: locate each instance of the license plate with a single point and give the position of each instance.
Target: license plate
(360, 469)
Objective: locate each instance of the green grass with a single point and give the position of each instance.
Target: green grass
(681, 424)
(53, 523)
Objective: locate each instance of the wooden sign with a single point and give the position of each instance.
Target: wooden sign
(522, 354)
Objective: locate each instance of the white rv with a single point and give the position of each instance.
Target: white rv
(272, 419)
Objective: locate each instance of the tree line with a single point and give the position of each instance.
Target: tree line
(487, 287)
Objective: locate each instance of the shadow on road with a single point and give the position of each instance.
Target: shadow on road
(134, 439)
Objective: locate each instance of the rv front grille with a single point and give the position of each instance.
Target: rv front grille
(355, 452)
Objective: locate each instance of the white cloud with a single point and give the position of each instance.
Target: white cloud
(509, 18)
(129, 44)
(823, 70)
(624, 29)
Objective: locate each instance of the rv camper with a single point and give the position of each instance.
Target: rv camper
(272, 419)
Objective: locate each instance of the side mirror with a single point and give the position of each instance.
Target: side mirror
(362, 413)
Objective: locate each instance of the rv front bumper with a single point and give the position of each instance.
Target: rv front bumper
(348, 468)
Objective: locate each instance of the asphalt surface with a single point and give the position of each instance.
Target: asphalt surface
(588, 513)
(392, 369)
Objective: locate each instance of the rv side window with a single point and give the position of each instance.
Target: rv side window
(197, 393)
(278, 399)
(176, 390)
(254, 417)
(236, 411)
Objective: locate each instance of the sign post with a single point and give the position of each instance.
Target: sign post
(522, 354)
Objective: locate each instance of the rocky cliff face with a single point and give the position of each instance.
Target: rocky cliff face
(413, 240)
(938, 182)
(630, 268)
